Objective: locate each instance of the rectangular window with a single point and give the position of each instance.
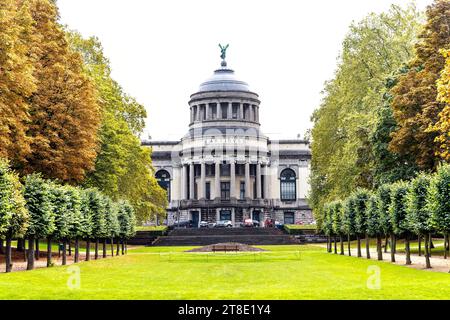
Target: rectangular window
(214, 111)
(225, 215)
(208, 190)
(225, 170)
(289, 218)
(235, 111)
(195, 191)
(224, 107)
(225, 190)
(210, 170)
(288, 191)
(242, 190)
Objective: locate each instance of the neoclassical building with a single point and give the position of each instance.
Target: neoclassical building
(225, 168)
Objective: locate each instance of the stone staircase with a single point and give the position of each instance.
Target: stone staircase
(203, 237)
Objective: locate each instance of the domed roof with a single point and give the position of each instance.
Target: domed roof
(223, 79)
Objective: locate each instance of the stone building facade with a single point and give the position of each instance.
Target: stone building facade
(225, 168)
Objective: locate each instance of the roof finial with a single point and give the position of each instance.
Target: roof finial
(223, 55)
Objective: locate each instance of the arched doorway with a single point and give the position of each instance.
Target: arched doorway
(163, 178)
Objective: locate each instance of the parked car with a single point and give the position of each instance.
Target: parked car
(223, 224)
(184, 224)
(204, 224)
(251, 223)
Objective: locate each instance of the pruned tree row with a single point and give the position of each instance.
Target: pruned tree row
(403, 210)
(38, 209)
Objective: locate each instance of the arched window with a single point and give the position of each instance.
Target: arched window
(288, 186)
(163, 178)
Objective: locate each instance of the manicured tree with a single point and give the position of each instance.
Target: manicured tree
(438, 201)
(15, 207)
(86, 224)
(361, 196)
(42, 220)
(417, 213)
(384, 219)
(124, 223)
(326, 226)
(348, 220)
(132, 224)
(74, 206)
(60, 203)
(336, 212)
(373, 228)
(397, 212)
(97, 211)
(112, 223)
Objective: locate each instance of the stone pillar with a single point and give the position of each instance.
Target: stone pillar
(202, 188)
(191, 181)
(192, 115)
(250, 112)
(217, 180)
(208, 114)
(233, 179)
(241, 111)
(258, 181)
(183, 183)
(266, 182)
(256, 113)
(247, 179)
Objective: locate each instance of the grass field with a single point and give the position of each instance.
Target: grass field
(284, 272)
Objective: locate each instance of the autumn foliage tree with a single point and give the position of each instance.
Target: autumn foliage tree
(416, 109)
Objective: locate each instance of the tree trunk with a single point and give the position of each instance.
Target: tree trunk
(2, 251)
(407, 249)
(49, 252)
(386, 243)
(328, 244)
(88, 250)
(30, 260)
(25, 252)
(64, 253)
(20, 245)
(70, 248)
(112, 247)
(335, 245)
(427, 250)
(37, 251)
(349, 246)
(392, 247)
(431, 244)
(379, 248)
(123, 247)
(419, 239)
(77, 251)
(358, 238)
(96, 249)
(104, 248)
(8, 259)
(118, 247)
(367, 246)
(341, 239)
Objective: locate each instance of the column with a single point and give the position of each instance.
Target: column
(207, 106)
(258, 181)
(192, 115)
(241, 111)
(230, 110)
(233, 179)
(247, 179)
(250, 112)
(266, 182)
(217, 180)
(202, 190)
(183, 182)
(256, 113)
(191, 181)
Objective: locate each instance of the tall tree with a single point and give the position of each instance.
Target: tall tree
(416, 109)
(16, 80)
(397, 213)
(348, 220)
(373, 49)
(64, 113)
(361, 197)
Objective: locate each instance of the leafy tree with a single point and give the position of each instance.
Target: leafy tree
(127, 222)
(112, 222)
(64, 114)
(397, 213)
(438, 201)
(326, 226)
(373, 50)
(336, 215)
(384, 201)
(14, 216)
(97, 211)
(361, 196)
(416, 109)
(16, 81)
(442, 126)
(348, 220)
(373, 228)
(417, 214)
(38, 198)
(87, 224)
(74, 206)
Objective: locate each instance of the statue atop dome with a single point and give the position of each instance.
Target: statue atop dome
(223, 50)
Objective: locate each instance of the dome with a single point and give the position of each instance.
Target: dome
(223, 79)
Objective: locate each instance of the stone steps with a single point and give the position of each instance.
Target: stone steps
(213, 239)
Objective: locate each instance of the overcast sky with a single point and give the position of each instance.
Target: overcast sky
(160, 52)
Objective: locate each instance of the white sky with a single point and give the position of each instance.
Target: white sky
(160, 52)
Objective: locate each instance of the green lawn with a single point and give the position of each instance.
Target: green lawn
(151, 228)
(285, 272)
